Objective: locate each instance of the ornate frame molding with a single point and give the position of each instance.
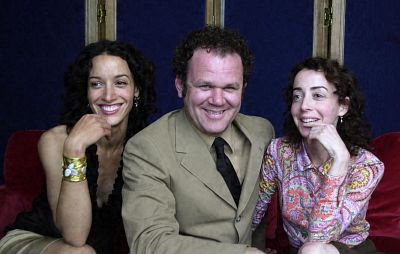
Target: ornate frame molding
(215, 12)
(329, 25)
(100, 20)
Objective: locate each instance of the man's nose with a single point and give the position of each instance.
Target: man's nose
(217, 96)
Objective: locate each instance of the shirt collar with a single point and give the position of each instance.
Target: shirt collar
(306, 163)
(227, 135)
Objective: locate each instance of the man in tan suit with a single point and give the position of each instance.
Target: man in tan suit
(174, 199)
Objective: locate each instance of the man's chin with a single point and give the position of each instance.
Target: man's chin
(216, 131)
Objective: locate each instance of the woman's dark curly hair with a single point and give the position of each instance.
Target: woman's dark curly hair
(76, 81)
(354, 130)
(216, 39)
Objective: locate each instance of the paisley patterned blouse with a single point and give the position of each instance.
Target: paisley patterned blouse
(316, 206)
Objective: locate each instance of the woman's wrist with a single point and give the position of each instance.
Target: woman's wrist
(73, 149)
(340, 166)
(74, 169)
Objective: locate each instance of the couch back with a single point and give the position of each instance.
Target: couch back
(23, 171)
(384, 206)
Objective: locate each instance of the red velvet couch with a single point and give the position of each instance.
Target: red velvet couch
(24, 180)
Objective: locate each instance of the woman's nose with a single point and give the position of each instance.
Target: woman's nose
(306, 103)
(109, 93)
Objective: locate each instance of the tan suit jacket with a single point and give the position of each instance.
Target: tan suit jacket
(174, 199)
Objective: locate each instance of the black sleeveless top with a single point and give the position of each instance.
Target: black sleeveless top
(106, 233)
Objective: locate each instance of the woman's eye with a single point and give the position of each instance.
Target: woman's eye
(318, 95)
(296, 97)
(96, 84)
(121, 83)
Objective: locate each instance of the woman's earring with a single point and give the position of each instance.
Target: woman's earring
(136, 101)
(341, 119)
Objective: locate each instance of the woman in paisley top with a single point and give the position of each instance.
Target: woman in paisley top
(109, 95)
(321, 168)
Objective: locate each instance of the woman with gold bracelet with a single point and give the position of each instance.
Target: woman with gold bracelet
(109, 95)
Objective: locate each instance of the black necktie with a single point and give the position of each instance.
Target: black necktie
(226, 169)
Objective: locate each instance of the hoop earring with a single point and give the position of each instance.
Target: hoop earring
(136, 101)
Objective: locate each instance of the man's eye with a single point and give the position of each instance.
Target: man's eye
(230, 88)
(204, 87)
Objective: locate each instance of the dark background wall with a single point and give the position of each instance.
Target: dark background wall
(275, 49)
(37, 41)
(39, 38)
(372, 51)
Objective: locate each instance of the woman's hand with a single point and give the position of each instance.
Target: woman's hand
(328, 137)
(270, 251)
(252, 250)
(87, 131)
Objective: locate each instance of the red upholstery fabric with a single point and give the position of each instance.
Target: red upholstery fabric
(23, 174)
(10, 205)
(23, 171)
(384, 206)
(276, 237)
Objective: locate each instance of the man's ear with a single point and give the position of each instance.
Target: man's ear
(344, 108)
(179, 85)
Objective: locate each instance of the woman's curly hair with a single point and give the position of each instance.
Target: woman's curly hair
(212, 38)
(354, 130)
(76, 83)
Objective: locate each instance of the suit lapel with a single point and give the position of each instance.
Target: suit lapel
(197, 159)
(253, 167)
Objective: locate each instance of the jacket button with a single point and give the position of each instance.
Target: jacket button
(238, 218)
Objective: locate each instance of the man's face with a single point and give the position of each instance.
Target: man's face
(214, 90)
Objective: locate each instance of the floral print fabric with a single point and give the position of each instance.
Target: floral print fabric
(316, 206)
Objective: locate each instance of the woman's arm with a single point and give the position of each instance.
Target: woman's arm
(267, 184)
(345, 189)
(70, 201)
(343, 200)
